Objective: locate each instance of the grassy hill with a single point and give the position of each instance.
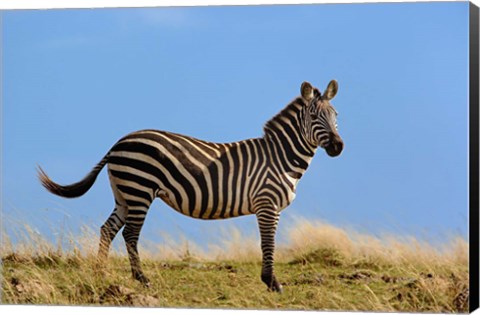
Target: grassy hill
(321, 268)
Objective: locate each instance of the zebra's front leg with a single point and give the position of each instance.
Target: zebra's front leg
(267, 222)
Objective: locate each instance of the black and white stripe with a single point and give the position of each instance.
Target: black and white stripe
(208, 180)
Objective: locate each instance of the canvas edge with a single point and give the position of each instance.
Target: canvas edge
(474, 158)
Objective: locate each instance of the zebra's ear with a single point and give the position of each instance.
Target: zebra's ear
(331, 90)
(307, 91)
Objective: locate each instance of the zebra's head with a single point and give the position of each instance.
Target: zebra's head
(320, 118)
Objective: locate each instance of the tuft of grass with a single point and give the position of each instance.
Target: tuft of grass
(322, 267)
(324, 256)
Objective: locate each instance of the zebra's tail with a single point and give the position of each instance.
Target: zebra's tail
(73, 190)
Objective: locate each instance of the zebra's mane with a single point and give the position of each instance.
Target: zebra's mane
(294, 106)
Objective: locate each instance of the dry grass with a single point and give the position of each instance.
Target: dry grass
(322, 267)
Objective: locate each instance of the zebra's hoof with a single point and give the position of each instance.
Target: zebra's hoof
(143, 280)
(272, 283)
(277, 287)
(280, 289)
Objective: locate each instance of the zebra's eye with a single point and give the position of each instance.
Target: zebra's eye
(313, 116)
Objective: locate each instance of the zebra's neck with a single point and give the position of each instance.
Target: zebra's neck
(287, 142)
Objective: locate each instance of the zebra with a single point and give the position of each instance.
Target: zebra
(209, 181)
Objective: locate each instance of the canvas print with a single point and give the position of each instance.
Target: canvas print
(282, 157)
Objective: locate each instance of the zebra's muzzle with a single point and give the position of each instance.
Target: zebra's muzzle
(334, 146)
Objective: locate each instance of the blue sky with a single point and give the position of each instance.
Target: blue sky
(75, 81)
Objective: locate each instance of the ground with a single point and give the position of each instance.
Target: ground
(328, 277)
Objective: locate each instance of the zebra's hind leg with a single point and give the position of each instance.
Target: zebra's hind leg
(131, 233)
(267, 222)
(108, 231)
